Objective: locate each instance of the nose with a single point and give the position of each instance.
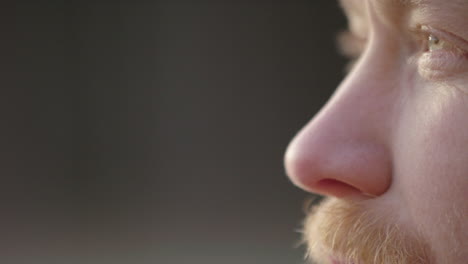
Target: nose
(344, 151)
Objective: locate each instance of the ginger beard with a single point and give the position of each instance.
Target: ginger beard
(345, 232)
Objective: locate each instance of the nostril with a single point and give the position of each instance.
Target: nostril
(343, 168)
(336, 188)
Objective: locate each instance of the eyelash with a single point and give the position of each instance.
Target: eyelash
(445, 60)
(425, 35)
(450, 57)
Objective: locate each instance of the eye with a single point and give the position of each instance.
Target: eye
(443, 54)
(433, 43)
(434, 40)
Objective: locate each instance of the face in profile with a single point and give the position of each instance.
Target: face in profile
(390, 148)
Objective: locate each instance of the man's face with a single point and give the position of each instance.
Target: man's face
(390, 148)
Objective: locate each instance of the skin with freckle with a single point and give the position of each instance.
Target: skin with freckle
(390, 148)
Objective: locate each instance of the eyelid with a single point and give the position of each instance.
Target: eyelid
(444, 63)
(455, 41)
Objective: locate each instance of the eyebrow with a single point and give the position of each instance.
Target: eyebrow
(356, 7)
(446, 14)
(406, 3)
(346, 4)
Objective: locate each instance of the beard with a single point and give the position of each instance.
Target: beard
(338, 231)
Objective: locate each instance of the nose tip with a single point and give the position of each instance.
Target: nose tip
(341, 167)
(310, 174)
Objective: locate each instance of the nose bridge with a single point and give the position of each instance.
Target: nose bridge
(344, 150)
(361, 106)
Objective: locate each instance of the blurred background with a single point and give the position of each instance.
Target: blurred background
(154, 131)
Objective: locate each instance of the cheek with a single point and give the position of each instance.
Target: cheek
(431, 162)
(431, 139)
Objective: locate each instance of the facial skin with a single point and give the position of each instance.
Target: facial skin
(390, 148)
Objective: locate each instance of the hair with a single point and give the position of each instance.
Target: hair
(346, 232)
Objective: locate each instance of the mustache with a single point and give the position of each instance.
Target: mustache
(338, 231)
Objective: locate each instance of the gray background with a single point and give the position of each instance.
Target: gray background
(153, 131)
